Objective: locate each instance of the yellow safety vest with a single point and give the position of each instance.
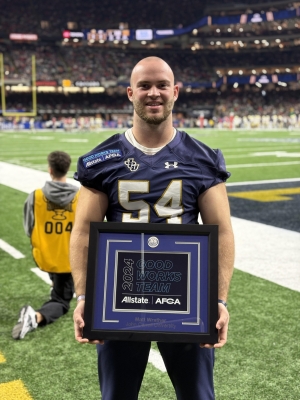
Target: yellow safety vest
(50, 237)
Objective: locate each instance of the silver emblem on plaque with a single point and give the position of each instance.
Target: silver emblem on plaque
(153, 241)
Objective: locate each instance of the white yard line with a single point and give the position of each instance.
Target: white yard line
(156, 359)
(262, 182)
(24, 179)
(268, 252)
(42, 274)
(11, 250)
(269, 164)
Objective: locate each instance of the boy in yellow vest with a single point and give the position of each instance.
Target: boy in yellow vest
(48, 220)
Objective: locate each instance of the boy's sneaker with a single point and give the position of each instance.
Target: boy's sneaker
(26, 323)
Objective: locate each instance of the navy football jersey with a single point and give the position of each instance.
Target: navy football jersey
(160, 188)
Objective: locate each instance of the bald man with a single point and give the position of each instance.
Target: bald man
(157, 174)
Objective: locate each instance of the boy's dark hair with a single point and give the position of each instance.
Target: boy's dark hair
(59, 162)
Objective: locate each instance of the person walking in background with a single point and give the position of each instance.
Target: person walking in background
(153, 173)
(49, 215)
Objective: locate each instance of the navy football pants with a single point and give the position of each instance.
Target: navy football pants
(121, 367)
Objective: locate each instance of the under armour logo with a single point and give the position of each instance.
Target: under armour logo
(169, 165)
(131, 164)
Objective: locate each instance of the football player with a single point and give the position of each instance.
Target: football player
(153, 173)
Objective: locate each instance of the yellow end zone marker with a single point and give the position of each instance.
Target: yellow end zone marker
(2, 358)
(14, 390)
(267, 195)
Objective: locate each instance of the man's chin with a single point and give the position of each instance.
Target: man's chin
(154, 121)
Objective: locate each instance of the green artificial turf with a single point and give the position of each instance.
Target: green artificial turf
(261, 360)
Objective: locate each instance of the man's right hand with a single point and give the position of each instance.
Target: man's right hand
(79, 324)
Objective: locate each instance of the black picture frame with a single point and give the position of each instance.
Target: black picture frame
(152, 282)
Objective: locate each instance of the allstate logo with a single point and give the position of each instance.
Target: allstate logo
(153, 241)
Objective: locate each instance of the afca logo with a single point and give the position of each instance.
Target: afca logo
(167, 300)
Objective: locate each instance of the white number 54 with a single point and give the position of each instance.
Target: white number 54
(168, 206)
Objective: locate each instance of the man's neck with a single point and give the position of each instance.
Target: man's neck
(62, 180)
(153, 136)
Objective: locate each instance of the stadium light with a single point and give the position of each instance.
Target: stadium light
(46, 89)
(253, 71)
(277, 40)
(230, 72)
(288, 70)
(264, 71)
(20, 88)
(235, 85)
(240, 72)
(256, 41)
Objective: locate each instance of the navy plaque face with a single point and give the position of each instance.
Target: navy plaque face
(152, 282)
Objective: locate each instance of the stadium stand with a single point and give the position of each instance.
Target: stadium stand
(235, 68)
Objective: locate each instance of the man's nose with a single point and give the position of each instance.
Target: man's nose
(153, 91)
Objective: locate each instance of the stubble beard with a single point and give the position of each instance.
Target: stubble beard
(154, 119)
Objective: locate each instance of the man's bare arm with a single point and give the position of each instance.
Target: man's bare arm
(91, 207)
(214, 209)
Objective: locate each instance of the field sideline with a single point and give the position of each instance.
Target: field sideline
(256, 363)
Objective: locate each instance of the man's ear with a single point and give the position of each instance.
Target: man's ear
(176, 92)
(129, 93)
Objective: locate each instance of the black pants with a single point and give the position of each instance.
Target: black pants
(60, 298)
(121, 367)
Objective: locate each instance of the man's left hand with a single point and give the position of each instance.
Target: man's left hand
(222, 326)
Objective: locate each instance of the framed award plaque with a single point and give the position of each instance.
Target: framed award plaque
(152, 282)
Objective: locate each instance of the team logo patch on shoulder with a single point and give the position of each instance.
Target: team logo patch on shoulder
(131, 164)
(100, 157)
